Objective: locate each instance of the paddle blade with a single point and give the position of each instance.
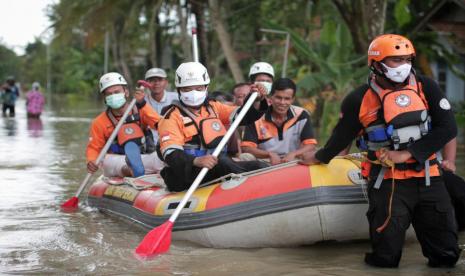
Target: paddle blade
(70, 204)
(157, 241)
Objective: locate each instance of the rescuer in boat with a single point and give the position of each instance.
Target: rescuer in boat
(284, 132)
(262, 73)
(124, 156)
(405, 119)
(157, 97)
(192, 128)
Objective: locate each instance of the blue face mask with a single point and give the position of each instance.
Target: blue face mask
(115, 101)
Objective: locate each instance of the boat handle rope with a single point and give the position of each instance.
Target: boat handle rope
(251, 173)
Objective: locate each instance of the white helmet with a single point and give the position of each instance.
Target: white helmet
(261, 68)
(191, 73)
(155, 72)
(36, 85)
(111, 79)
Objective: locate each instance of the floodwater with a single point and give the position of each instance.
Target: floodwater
(42, 165)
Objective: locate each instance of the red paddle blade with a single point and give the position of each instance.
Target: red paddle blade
(157, 241)
(70, 204)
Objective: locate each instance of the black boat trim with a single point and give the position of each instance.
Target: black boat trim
(340, 195)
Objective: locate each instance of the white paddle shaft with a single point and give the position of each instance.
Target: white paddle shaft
(216, 152)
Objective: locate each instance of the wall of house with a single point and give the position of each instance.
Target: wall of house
(453, 86)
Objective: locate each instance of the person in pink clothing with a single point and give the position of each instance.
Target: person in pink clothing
(35, 101)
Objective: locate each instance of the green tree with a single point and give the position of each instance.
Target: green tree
(10, 65)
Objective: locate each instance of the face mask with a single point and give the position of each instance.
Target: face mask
(115, 101)
(398, 74)
(193, 98)
(266, 84)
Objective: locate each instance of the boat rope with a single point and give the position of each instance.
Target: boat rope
(362, 157)
(251, 173)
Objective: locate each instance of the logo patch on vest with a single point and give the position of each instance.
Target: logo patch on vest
(444, 104)
(186, 120)
(128, 130)
(403, 100)
(216, 126)
(263, 130)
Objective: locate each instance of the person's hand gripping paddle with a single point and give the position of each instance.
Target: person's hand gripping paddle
(158, 240)
(73, 203)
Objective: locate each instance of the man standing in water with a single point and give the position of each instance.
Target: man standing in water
(9, 96)
(404, 119)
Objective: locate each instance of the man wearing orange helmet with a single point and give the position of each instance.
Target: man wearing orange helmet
(403, 120)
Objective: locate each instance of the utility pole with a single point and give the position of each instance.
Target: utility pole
(106, 50)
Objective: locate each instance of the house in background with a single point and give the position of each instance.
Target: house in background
(447, 18)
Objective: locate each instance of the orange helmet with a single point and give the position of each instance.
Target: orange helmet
(389, 45)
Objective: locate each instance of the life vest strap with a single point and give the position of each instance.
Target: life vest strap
(380, 177)
(427, 175)
(415, 166)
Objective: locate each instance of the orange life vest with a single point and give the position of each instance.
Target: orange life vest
(210, 130)
(130, 130)
(394, 119)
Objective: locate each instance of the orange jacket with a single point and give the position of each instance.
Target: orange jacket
(101, 129)
(175, 129)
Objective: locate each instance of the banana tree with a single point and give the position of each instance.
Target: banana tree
(331, 71)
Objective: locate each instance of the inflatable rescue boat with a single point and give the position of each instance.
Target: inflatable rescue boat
(284, 205)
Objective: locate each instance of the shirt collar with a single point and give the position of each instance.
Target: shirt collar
(269, 111)
(164, 99)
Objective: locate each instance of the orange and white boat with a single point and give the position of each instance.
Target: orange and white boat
(284, 205)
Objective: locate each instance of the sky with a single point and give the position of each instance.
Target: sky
(22, 21)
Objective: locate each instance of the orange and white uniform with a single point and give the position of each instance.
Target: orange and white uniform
(177, 128)
(184, 137)
(101, 129)
(266, 135)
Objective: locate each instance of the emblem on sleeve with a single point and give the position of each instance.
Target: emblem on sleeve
(444, 104)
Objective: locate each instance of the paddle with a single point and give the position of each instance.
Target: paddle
(73, 202)
(195, 49)
(158, 240)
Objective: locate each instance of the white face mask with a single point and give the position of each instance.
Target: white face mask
(266, 84)
(193, 98)
(398, 74)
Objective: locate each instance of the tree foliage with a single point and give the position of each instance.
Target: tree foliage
(327, 57)
(9, 65)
